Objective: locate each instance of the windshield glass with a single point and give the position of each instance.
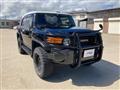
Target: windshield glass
(54, 21)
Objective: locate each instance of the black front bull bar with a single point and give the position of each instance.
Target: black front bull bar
(78, 50)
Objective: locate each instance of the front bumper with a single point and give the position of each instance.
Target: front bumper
(61, 56)
(66, 56)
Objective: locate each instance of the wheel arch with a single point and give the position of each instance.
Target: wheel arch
(34, 45)
(19, 36)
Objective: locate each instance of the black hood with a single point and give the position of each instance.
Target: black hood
(64, 32)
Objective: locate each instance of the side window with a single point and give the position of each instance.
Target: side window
(23, 24)
(27, 22)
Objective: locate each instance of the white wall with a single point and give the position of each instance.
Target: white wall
(5, 24)
(79, 17)
(114, 25)
(83, 24)
(75, 20)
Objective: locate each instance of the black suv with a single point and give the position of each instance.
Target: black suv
(53, 38)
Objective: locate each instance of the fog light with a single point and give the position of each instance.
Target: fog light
(66, 41)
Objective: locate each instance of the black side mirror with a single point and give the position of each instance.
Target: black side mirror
(17, 23)
(101, 26)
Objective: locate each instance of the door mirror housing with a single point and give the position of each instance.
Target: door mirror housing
(101, 26)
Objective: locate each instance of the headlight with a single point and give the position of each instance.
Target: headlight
(66, 41)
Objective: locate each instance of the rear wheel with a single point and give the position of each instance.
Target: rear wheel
(43, 66)
(21, 51)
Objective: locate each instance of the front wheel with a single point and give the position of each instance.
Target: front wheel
(43, 66)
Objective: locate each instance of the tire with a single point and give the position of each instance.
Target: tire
(21, 51)
(43, 66)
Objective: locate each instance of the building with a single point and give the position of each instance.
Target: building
(6, 23)
(109, 18)
(79, 18)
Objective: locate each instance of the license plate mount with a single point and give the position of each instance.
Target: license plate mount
(88, 53)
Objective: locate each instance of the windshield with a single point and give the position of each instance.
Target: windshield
(54, 21)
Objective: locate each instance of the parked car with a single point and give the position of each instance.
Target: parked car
(51, 37)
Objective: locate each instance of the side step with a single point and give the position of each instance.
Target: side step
(27, 50)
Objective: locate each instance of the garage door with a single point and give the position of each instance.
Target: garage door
(114, 25)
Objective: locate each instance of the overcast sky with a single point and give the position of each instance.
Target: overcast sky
(16, 8)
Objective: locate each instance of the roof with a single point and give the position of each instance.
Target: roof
(86, 12)
(112, 9)
(44, 12)
(77, 12)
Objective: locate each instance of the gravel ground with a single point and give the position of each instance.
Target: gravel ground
(17, 71)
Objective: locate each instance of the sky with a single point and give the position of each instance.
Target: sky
(16, 8)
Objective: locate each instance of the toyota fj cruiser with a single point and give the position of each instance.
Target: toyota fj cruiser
(53, 38)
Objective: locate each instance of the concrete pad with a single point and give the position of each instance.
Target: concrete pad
(18, 70)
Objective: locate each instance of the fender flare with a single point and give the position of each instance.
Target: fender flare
(19, 35)
(40, 43)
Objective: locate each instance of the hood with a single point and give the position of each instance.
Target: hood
(65, 32)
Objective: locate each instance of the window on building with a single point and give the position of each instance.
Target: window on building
(2, 23)
(7, 23)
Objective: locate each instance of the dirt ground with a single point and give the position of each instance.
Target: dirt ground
(17, 71)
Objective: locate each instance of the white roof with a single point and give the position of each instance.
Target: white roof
(44, 12)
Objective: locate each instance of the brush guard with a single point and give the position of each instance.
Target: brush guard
(77, 52)
(79, 49)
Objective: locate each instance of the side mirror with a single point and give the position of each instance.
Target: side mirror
(101, 26)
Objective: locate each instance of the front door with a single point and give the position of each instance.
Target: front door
(27, 30)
